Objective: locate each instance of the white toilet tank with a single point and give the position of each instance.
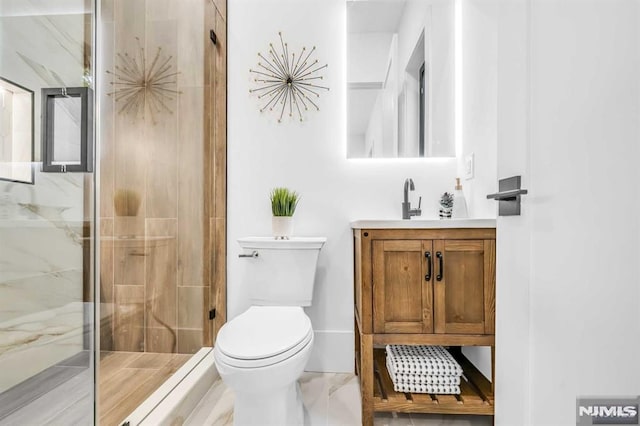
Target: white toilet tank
(283, 271)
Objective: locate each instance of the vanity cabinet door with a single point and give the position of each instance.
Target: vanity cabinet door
(464, 286)
(402, 287)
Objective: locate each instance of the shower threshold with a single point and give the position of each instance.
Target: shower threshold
(176, 398)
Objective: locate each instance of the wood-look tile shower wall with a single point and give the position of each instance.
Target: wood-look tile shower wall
(163, 264)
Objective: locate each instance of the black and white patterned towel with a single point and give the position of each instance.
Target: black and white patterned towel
(422, 360)
(420, 379)
(438, 389)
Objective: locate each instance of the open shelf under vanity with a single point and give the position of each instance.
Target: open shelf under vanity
(476, 395)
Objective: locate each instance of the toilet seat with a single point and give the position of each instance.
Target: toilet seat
(263, 336)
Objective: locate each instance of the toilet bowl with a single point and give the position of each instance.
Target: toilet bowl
(260, 355)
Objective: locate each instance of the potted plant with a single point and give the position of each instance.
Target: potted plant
(283, 206)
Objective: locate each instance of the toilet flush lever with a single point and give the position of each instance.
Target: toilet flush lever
(252, 254)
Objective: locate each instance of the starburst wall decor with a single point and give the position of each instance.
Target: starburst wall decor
(138, 86)
(288, 83)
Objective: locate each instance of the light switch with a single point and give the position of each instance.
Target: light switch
(469, 166)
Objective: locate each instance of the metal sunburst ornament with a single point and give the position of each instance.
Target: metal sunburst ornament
(138, 85)
(288, 83)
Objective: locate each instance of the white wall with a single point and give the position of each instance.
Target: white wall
(310, 157)
(368, 57)
(413, 48)
(374, 136)
(436, 20)
(479, 105)
(416, 19)
(441, 79)
(409, 116)
(367, 63)
(388, 100)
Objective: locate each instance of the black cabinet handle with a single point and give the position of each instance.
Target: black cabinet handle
(427, 254)
(440, 266)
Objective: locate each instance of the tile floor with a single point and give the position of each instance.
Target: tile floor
(128, 378)
(63, 395)
(70, 403)
(330, 400)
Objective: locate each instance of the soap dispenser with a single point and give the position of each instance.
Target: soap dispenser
(459, 203)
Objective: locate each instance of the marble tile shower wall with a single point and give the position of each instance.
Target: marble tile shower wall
(41, 225)
(155, 244)
(41, 282)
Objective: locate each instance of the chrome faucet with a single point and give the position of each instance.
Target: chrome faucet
(407, 211)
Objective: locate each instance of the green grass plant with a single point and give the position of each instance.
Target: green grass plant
(283, 201)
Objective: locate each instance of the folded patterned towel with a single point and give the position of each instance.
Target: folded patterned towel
(422, 360)
(420, 379)
(418, 388)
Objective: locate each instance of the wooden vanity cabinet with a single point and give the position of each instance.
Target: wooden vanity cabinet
(402, 294)
(464, 293)
(423, 286)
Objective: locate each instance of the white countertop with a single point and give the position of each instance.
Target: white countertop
(424, 224)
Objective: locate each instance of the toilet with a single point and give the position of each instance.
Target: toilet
(261, 353)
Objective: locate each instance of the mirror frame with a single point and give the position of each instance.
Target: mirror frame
(32, 159)
(86, 129)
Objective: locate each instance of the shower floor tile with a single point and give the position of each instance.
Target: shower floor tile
(128, 378)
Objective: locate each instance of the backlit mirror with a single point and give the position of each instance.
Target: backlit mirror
(16, 132)
(400, 78)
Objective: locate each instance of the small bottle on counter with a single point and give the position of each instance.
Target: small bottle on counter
(459, 203)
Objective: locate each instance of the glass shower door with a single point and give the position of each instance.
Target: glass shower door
(46, 218)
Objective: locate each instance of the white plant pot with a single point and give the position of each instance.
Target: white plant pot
(282, 227)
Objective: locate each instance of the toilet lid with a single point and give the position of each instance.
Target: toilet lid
(263, 332)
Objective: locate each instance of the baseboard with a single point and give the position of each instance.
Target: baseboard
(333, 352)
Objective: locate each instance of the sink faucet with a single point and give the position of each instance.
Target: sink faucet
(407, 211)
